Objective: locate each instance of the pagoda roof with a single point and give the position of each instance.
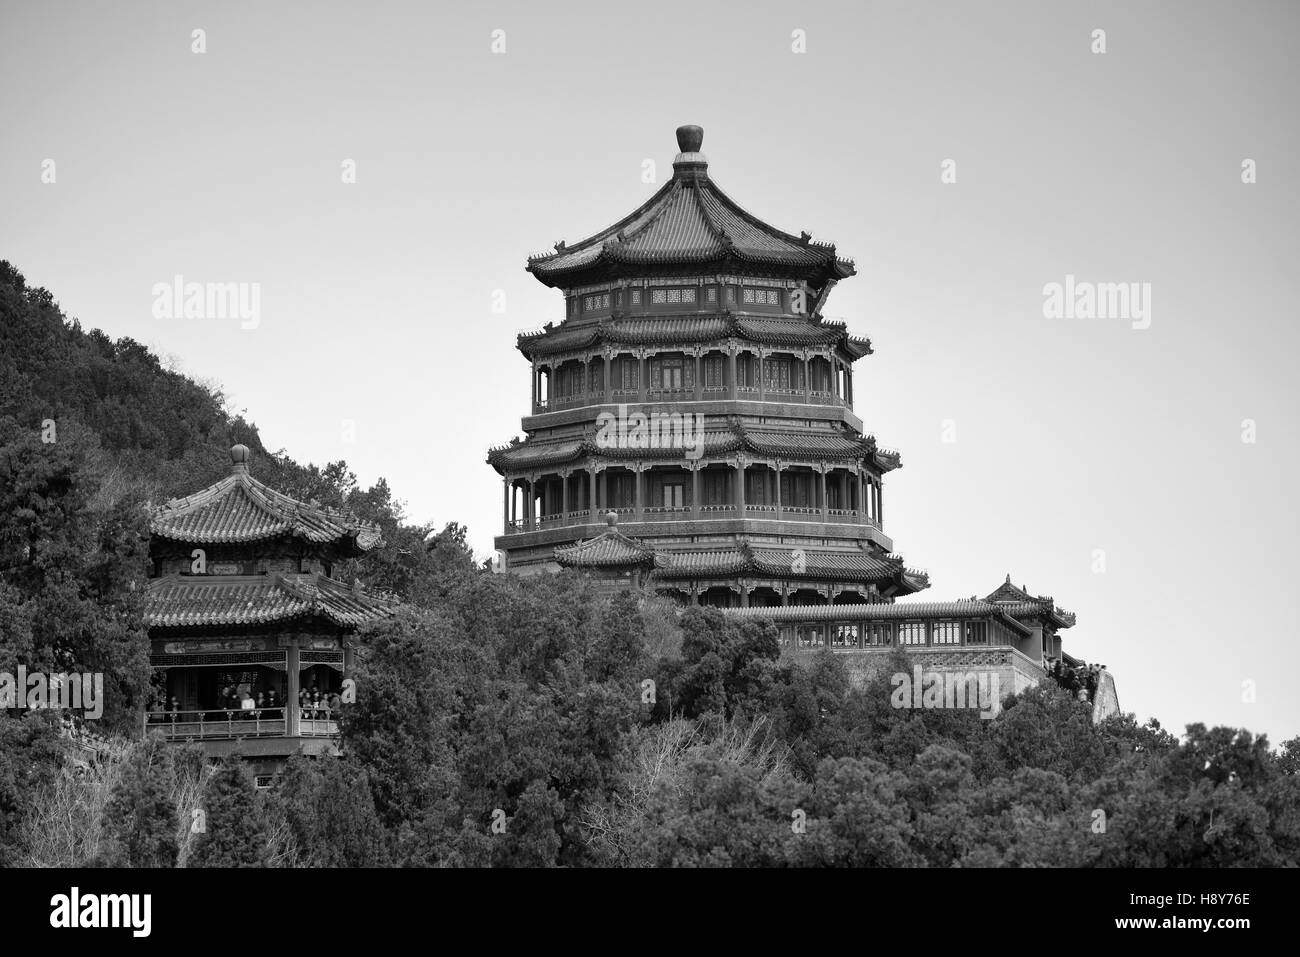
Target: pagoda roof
(884, 611)
(1017, 602)
(860, 566)
(178, 601)
(690, 226)
(686, 329)
(239, 508)
(808, 444)
(610, 549)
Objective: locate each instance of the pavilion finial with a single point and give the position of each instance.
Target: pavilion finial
(239, 458)
(611, 518)
(690, 138)
(690, 164)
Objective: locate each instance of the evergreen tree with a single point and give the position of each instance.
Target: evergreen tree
(140, 818)
(235, 832)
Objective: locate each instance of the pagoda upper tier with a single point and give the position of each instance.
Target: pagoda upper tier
(690, 227)
(240, 509)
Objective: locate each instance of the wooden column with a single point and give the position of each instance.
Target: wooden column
(591, 494)
(641, 382)
(821, 476)
(807, 379)
(505, 503)
(734, 393)
(636, 480)
(695, 493)
(291, 716)
(740, 488)
(780, 508)
(564, 498)
(699, 377)
(762, 377)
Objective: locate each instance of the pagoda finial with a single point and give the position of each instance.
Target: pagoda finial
(690, 163)
(239, 458)
(611, 518)
(690, 138)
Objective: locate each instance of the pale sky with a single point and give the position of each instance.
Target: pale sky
(1072, 435)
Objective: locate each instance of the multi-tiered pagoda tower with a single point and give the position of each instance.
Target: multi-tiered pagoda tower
(695, 399)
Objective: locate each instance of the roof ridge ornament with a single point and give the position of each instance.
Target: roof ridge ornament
(690, 163)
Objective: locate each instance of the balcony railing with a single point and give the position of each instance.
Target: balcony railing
(749, 393)
(218, 724)
(658, 513)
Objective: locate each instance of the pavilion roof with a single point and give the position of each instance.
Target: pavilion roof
(178, 601)
(690, 226)
(239, 508)
(861, 566)
(1020, 604)
(610, 549)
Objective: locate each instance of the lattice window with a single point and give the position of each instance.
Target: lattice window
(636, 297)
(711, 294)
(713, 372)
(748, 296)
(731, 294)
(946, 633)
(658, 296)
(977, 633)
(688, 295)
(604, 301)
(674, 295)
(911, 633)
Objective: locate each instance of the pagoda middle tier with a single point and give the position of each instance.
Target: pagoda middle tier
(694, 396)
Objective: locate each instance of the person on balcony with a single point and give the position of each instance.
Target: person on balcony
(247, 706)
(173, 709)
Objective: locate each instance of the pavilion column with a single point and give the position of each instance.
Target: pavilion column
(744, 593)
(862, 496)
(602, 487)
(740, 488)
(529, 503)
(641, 377)
(762, 377)
(292, 663)
(734, 392)
(535, 377)
(785, 594)
(848, 385)
(821, 479)
(564, 497)
(695, 492)
(636, 480)
(591, 494)
(780, 512)
(807, 379)
(880, 505)
(505, 502)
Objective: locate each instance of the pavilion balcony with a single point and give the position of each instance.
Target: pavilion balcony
(714, 511)
(219, 725)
